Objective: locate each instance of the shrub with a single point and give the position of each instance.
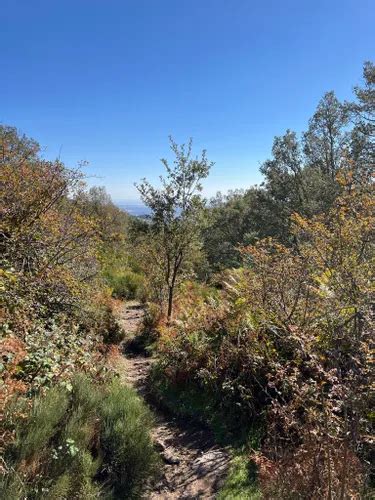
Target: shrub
(55, 349)
(112, 331)
(127, 447)
(288, 341)
(80, 444)
(127, 285)
(46, 415)
(145, 341)
(56, 242)
(152, 317)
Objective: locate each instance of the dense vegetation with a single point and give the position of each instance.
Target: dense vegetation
(272, 334)
(259, 310)
(68, 429)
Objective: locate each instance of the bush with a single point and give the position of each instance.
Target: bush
(288, 342)
(127, 447)
(145, 341)
(112, 333)
(46, 414)
(126, 286)
(151, 317)
(75, 442)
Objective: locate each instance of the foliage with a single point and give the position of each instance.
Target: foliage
(326, 138)
(126, 441)
(174, 229)
(119, 268)
(58, 241)
(229, 221)
(241, 481)
(289, 340)
(299, 177)
(152, 318)
(42, 229)
(280, 340)
(113, 333)
(48, 267)
(74, 442)
(144, 341)
(127, 285)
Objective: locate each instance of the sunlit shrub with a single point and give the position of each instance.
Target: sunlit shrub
(112, 332)
(126, 286)
(56, 243)
(127, 447)
(152, 317)
(78, 443)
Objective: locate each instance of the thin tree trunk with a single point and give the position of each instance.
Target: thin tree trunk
(170, 302)
(171, 286)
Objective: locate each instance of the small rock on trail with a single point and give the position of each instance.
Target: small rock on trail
(194, 467)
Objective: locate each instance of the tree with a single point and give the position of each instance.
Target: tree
(48, 246)
(288, 339)
(364, 109)
(362, 114)
(16, 148)
(284, 187)
(228, 224)
(174, 229)
(299, 177)
(326, 138)
(48, 268)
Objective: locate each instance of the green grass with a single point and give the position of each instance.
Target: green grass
(241, 482)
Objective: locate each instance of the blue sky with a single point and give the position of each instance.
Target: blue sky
(108, 80)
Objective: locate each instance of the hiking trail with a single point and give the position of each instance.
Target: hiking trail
(193, 466)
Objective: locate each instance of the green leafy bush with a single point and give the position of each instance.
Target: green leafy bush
(54, 349)
(126, 285)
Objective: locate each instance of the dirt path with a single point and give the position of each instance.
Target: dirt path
(193, 466)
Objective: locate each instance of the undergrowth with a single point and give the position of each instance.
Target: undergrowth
(88, 442)
(241, 481)
(241, 436)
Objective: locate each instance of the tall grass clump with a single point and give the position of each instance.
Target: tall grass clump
(126, 444)
(87, 442)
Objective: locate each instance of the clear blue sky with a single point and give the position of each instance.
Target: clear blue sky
(108, 80)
